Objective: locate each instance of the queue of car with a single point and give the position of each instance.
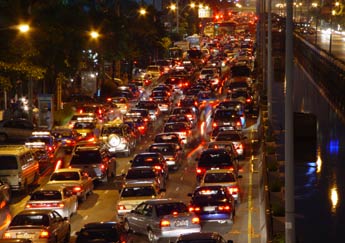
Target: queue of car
(97, 133)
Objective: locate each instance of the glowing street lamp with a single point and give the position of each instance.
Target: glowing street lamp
(23, 28)
(94, 34)
(142, 11)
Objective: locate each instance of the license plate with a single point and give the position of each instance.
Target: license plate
(25, 235)
(226, 123)
(180, 223)
(209, 208)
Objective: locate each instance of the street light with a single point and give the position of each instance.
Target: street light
(23, 28)
(175, 8)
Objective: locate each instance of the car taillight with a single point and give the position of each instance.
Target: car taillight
(231, 168)
(102, 167)
(44, 234)
(7, 235)
(158, 167)
(194, 209)
(121, 207)
(199, 170)
(224, 208)
(146, 119)
(164, 223)
(238, 123)
(248, 100)
(109, 99)
(141, 128)
(240, 146)
(77, 189)
(171, 158)
(233, 190)
(195, 220)
(50, 148)
(214, 124)
(189, 116)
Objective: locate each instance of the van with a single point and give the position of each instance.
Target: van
(18, 167)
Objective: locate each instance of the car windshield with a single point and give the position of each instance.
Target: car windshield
(219, 177)
(46, 195)
(171, 208)
(30, 219)
(215, 158)
(140, 174)
(86, 157)
(178, 119)
(142, 191)
(8, 162)
(65, 176)
(100, 233)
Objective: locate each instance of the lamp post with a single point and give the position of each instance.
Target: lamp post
(175, 7)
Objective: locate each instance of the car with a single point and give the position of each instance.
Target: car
(154, 70)
(66, 138)
(5, 194)
(94, 159)
(212, 159)
(161, 219)
(202, 237)
(222, 177)
(151, 106)
(120, 103)
(15, 129)
(118, 137)
(42, 137)
(80, 117)
(138, 122)
(213, 204)
(183, 129)
(227, 119)
(79, 182)
(146, 173)
(135, 192)
(206, 97)
(168, 137)
(40, 226)
(86, 127)
(228, 145)
(153, 159)
(236, 138)
(191, 112)
(144, 113)
(101, 232)
(56, 197)
(180, 118)
(171, 151)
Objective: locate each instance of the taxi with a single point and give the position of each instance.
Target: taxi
(86, 126)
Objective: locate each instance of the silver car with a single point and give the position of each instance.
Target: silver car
(58, 198)
(161, 218)
(40, 226)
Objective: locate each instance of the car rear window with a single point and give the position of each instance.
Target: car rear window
(142, 191)
(170, 208)
(86, 157)
(175, 127)
(30, 219)
(162, 148)
(215, 158)
(46, 196)
(219, 177)
(166, 139)
(143, 160)
(8, 162)
(140, 174)
(65, 176)
(228, 137)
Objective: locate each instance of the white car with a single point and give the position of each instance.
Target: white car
(222, 177)
(75, 179)
(53, 197)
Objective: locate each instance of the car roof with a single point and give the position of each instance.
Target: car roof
(138, 183)
(68, 170)
(163, 201)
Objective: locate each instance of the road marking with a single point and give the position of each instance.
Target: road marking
(177, 188)
(96, 203)
(106, 192)
(250, 184)
(85, 217)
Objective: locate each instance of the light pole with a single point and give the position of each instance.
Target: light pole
(175, 7)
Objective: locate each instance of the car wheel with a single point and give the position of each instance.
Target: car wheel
(126, 226)
(151, 236)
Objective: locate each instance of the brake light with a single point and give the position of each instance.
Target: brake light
(214, 124)
(231, 168)
(199, 170)
(80, 111)
(77, 189)
(238, 123)
(224, 208)
(164, 223)
(189, 116)
(141, 128)
(195, 220)
(240, 146)
(146, 119)
(121, 207)
(233, 190)
(158, 167)
(102, 167)
(108, 99)
(194, 209)
(248, 100)
(6, 235)
(50, 148)
(44, 234)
